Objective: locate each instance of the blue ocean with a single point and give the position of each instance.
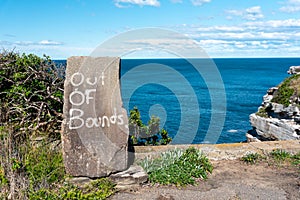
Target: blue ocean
(208, 105)
(194, 105)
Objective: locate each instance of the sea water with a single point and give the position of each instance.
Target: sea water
(175, 91)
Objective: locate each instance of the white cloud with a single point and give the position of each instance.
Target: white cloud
(199, 2)
(291, 6)
(276, 23)
(272, 38)
(124, 3)
(252, 13)
(49, 42)
(31, 43)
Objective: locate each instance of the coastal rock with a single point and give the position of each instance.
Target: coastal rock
(274, 121)
(95, 126)
(294, 70)
(273, 128)
(251, 138)
(132, 177)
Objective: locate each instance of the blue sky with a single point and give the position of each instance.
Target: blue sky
(223, 28)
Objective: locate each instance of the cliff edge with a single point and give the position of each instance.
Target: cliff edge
(278, 117)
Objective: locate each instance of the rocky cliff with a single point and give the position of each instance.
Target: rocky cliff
(278, 117)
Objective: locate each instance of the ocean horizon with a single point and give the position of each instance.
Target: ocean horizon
(157, 89)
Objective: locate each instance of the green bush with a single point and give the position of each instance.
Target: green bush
(280, 155)
(251, 158)
(97, 189)
(141, 134)
(31, 93)
(296, 159)
(285, 90)
(183, 169)
(262, 113)
(44, 166)
(167, 158)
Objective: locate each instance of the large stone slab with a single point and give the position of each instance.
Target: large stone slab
(95, 127)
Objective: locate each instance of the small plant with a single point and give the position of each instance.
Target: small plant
(262, 113)
(251, 158)
(285, 90)
(141, 134)
(296, 159)
(280, 155)
(3, 179)
(44, 166)
(180, 170)
(167, 158)
(97, 189)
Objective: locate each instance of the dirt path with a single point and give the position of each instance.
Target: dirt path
(230, 180)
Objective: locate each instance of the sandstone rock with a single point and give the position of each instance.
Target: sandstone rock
(251, 138)
(95, 126)
(134, 176)
(294, 70)
(273, 128)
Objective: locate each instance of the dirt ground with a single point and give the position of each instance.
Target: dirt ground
(230, 180)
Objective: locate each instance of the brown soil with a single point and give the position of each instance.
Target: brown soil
(230, 180)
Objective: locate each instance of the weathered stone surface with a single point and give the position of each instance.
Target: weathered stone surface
(95, 127)
(294, 70)
(282, 122)
(274, 128)
(134, 176)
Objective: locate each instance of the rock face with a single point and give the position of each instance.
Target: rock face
(294, 70)
(95, 127)
(132, 177)
(273, 128)
(274, 121)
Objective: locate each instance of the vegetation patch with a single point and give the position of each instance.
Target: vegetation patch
(262, 112)
(277, 156)
(97, 189)
(31, 164)
(288, 88)
(178, 167)
(252, 158)
(141, 134)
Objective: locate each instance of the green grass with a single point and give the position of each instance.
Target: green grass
(178, 168)
(262, 113)
(97, 189)
(251, 158)
(289, 87)
(277, 157)
(36, 171)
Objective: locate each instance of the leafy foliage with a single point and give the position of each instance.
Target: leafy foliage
(31, 93)
(286, 90)
(180, 170)
(262, 112)
(251, 158)
(280, 155)
(97, 189)
(276, 156)
(141, 134)
(31, 165)
(44, 166)
(167, 158)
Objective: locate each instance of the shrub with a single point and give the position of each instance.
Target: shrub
(167, 158)
(251, 158)
(183, 169)
(262, 113)
(285, 90)
(141, 134)
(31, 93)
(44, 166)
(280, 155)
